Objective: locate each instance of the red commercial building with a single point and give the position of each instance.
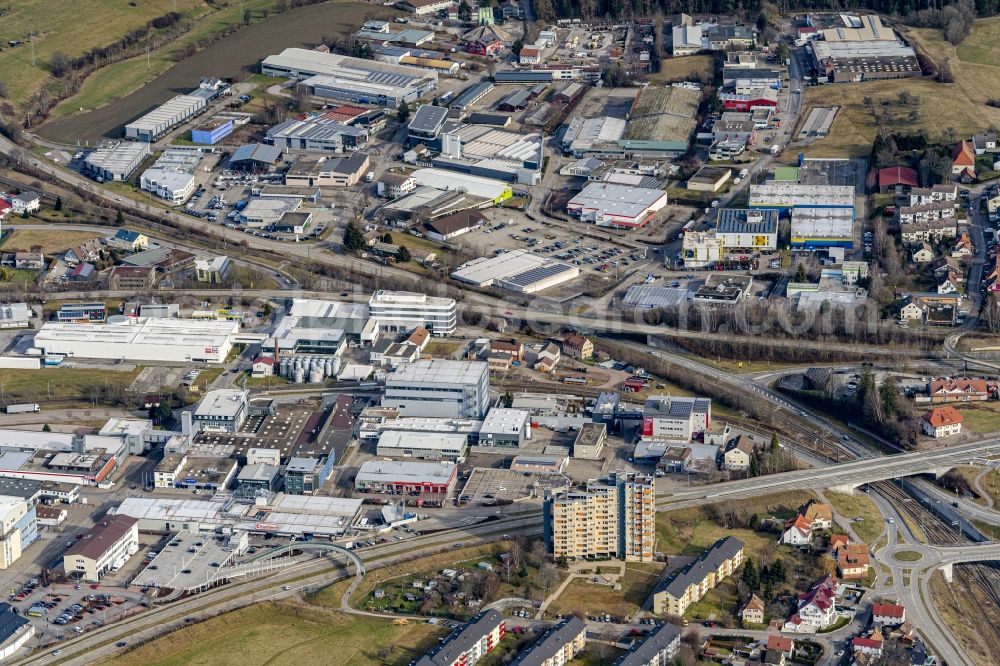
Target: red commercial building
(410, 478)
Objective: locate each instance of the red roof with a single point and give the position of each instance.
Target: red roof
(861, 641)
(897, 175)
(4, 206)
(266, 360)
(779, 643)
(964, 155)
(943, 416)
(888, 610)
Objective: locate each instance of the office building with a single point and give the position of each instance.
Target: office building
(222, 410)
(260, 477)
(402, 311)
(213, 131)
(19, 525)
(317, 133)
(557, 646)
(694, 580)
(442, 388)
(673, 418)
(172, 175)
(305, 476)
(612, 517)
(105, 548)
(470, 643)
(505, 427)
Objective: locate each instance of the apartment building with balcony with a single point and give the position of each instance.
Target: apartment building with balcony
(694, 581)
(610, 517)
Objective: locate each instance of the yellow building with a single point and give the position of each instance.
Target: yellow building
(694, 581)
(612, 517)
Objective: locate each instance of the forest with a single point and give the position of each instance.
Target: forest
(550, 10)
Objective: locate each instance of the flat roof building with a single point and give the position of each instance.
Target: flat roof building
(222, 410)
(746, 228)
(141, 339)
(519, 270)
(116, 161)
(785, 195)
(402, 311)
(505, 427)
(620, 206)
(165, 117)
(422, 445)
(317, 133)
(822, 227)
(407, 477)
(442, 388)
(479, 186)
(172, 175)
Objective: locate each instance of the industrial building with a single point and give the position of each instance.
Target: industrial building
(254, 158)
(426, 124)
(439, 388)
(617, 206)
(422, 445)
(784, 195)
(222, 410)
(212, 131)
(172, 175)
(519, 271)
(743, 228)
(661, 121)
(701, 249)
(305, 476)
(612, 517)
(15, 315)
(814, 228)
(381, 476)
(351, 79)
(141, 339)
(116, 161)
(470, 96)
(106, 548)
(15, 631)
(593, 137)
(317, 133)
(490, 152)
(165, 117)
(477, 186)
(674, 418)
(652, 296)
(402, 311)
(847, 62)
(312, 326)
(505, 427)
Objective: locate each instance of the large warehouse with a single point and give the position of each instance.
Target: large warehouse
(439, 388)
(620, 206)
(117, 160)
(165, 117)
(822, 227)
(787, 195)
(518, 270)
(478, 186)
(661, 121)
(746, 228)
(142, 339)
(351, 79)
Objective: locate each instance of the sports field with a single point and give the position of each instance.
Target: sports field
(960, 105)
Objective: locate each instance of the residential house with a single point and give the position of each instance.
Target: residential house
(819, 514)
(922, 253)
(530, 55)
(693, 581)
(925, 212)
(263, 366)
(548, 357)
(395, 185)
(853, 560)
(897, 179)
(963, 160)
(577, 346)
(419, 337)
(816, 608)
(511, 9)
(130, 278)
(25, 202)
(752, 611)
(928, 230)
(557, 646)
(81, 273)
(738, 453)
(870, 646)
(942, 422)
(513, 347)
(936, 193)
(782, 644)
(128, 240)
(948, 283)
(31, 261)
(891, 615)
(984, 143)
(89, 251)
(963, 247)
(4, 208)
(797, 532)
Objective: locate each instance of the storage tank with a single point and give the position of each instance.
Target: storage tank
(299, 376)
(316, 376)
(286, 364)
(336, 367)
(328, 366)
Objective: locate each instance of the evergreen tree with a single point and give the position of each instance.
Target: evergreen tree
(58, 204)
(46, 428)
(775, 445)
(888, 391)
(354, 240)
(404, 255)
(119, 219)
(387, 238)
(754, 464)
(750, 576)
(403, 112)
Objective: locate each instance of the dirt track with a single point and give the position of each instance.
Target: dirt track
(303, 27)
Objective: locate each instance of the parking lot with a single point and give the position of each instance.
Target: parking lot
(186, 561)
(492, 486)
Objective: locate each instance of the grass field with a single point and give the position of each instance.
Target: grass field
(59, 25)
(907, 556)
(981, 417)
(685, 68)
(50, 240)
(235, 55)
(597, 655)
(636, 585)
(279, 634)
(976, 65)
(59, 384)
(858, 506)
(961, 611)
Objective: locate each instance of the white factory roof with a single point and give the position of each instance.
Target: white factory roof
(166, 113)
(431, 424)
(16, 312)
(872, 49)
(386, 471)
(438, 371)
(118, 157)
(822, 223)
(311, 307)
(272, 207)
(651, 296)
(124, 427)
(332, 64)
(504, 421)
(486, 270)
(310, 319)
(436, 441)
(486, 188)
(788, 194)
(221, 402)
(55, 441)
(172, 510)
(616, 200)
(142, 330)
(383, 297)
(307, 504)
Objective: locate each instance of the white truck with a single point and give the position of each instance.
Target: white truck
(23, 408)
(370, 176)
